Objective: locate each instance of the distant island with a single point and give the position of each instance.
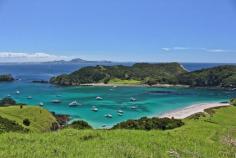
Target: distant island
(76, 61)
(150, 74)
(6, 78)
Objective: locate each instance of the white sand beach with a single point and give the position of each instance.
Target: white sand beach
(188, 111)
(131, 85)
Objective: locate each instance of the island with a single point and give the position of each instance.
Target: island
(6, 78)
(150, 74)
(139, 73)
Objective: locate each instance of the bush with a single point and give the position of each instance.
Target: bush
(26, 122)
(80, 124)
(7, 101)
(10, 126)
(150, 123)
(233, 102)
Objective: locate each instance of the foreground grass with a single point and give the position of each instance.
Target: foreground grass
(119, 81)
(40, 119)
(212, 136)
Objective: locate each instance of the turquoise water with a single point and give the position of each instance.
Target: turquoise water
(150, 101)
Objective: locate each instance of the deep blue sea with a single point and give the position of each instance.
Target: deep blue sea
(151, 101)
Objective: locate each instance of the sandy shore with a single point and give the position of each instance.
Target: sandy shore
(130, 85)
(188, 111)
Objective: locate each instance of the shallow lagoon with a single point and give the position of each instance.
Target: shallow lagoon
(151, 101)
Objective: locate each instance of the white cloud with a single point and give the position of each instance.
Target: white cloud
(181, 48)
(30, 57)
(215, 50)
(166, 49)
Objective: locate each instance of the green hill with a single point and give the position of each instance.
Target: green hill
(151, 74)
(40, 119)
(221, 76)
(137, 74)
(210, 136)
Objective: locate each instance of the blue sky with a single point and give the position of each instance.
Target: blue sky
(122, 30)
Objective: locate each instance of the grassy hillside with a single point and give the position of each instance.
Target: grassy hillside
(40, 120)
(212, 136)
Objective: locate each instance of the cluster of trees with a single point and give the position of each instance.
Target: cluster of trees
(151, 74)
(233, 102)
(147, 73)
(80, 124)
(145, 123)
(221, 76)
(7, 101)
(7, 77)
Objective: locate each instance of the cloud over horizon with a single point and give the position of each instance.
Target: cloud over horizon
(30, 57)
(215, 50)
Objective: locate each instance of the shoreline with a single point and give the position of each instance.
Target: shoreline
(131, 85)
(193, 109)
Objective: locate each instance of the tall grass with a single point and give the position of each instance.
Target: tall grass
(206, 137)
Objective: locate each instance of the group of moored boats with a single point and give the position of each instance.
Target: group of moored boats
(76, 103)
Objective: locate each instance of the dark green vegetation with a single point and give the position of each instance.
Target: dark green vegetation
(221, 76)
(80, 124)
(233, 102)
(5, 78)
(208, 136)
(151, 74)
(146, 73)
(7, 101)
(10, 126)
(145, 123)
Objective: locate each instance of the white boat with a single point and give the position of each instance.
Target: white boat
(41, 104)
(8, 95)
(17, 92)
(114, 86)
(120, 111)
(74, 103)
(133, 107)
(94, 109)
(29, 97)
(120, 114)
(132, 99)
(108, 116)
(99, 98)
(56, 101)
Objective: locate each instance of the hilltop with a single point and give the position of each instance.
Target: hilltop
(40, 119)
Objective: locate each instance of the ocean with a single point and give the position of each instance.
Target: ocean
(150, 101)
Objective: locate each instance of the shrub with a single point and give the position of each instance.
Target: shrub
(80, 124)
(233, 102)
(10, 126)
(7, 101)
(26, 122)
(145, 123)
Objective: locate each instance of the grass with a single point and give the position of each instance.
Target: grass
(119, 81)
(40, 119)
(212, 136)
